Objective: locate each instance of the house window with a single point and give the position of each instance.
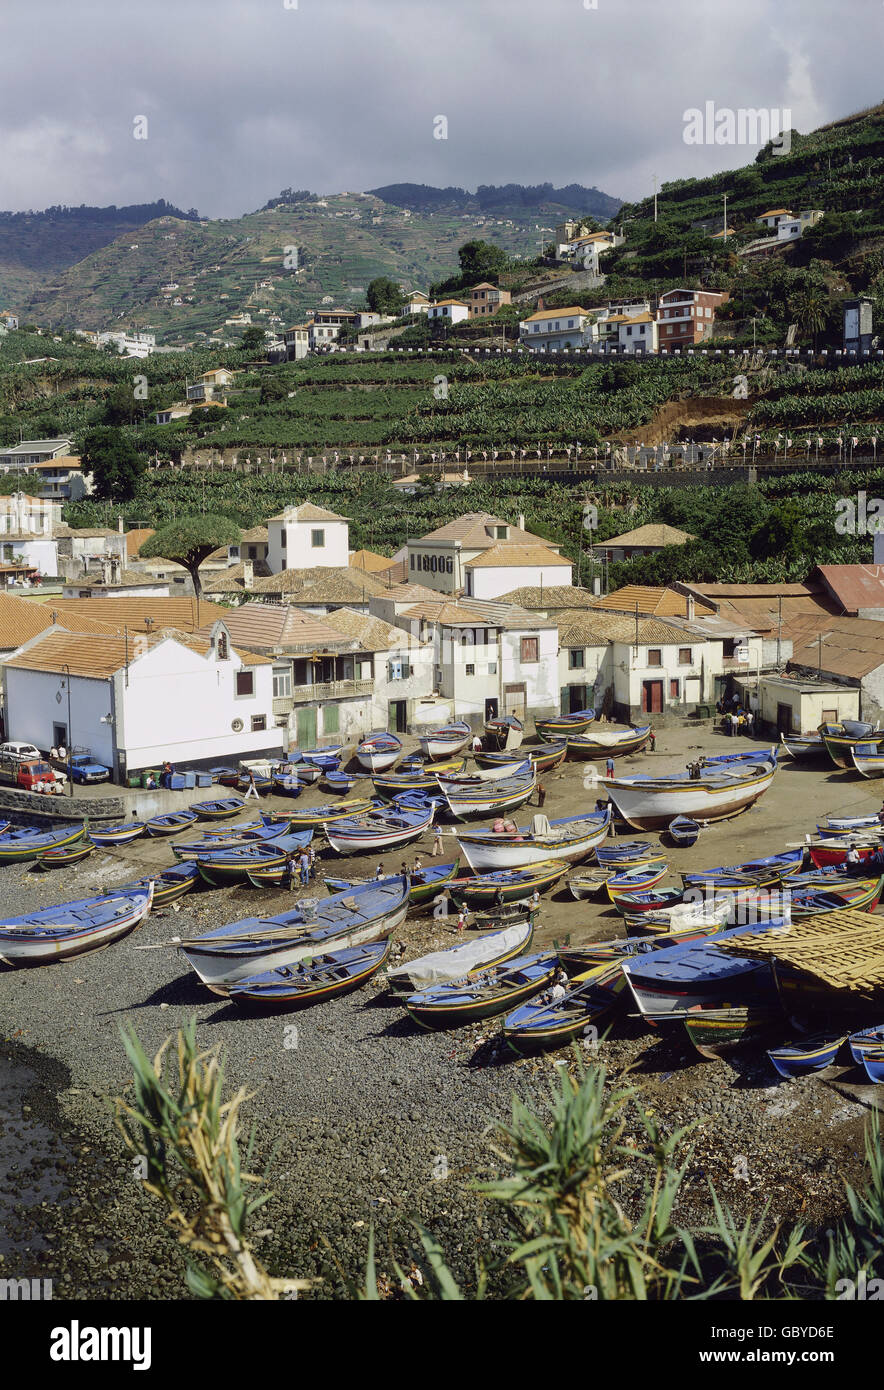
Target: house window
(223, 650)
(282, 682)
(317, 539)
(674, 690)
(398, 670)
(655, 656)
(685, 656)
(470, 669)
(502, 532)
(576, 658)
(282, 540)
(245, 682)
(529, 649)
(492, 668)
(259, 723)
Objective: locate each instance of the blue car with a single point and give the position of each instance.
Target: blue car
(82, 767)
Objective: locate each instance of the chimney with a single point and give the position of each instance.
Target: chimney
(248, 573)
(120, 525)
(521, 522)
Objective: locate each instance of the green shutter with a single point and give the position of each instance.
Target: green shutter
(330, 722)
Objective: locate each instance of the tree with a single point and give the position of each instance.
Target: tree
(114, 462)
(190, 540)
(384, 296)
(481, 260)
(252, 339)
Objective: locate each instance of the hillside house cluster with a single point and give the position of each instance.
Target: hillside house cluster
(683, 319)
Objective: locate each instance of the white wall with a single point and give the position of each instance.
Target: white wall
(299, 552)
(541, 678)
(492, 581)
(32, 709)
(180, 705)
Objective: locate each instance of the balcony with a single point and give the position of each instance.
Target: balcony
(320, 693)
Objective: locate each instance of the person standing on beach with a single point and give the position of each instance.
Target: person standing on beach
(609, 768)
(437, 842)
(305, 869)
(252, 789)
(652, 740)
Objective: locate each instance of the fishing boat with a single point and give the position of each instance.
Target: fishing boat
(609, 741)
(683, 920)
(651, 803)
(378, 750)
(563, 726)
(863, 895)
(25, 842)
(220, 866)
(777, 865)
(805, 1057)
(635, 879)
(287, 783)
(304, 983)
(868, 759)
(839, 739)
(867, 1040)
(308, 774)
(504, 794)
(339, 781)
(673, 982)
(637, 901)
(683, 831)
(803, 746)
(117, 834)
(72, 929)
(873, 1061)
(541, 1024)
(841, 825)
(217, 844)
(571, 838)
(623, 854)
(225, 776)
(506, 885)
(273, 874)
(261, 781)
(425, 883)
(168, 885)
(835, 849)
(171, 823)
(545, 757)
(327, 759)
(65, 855)
(716, 1032)
(423, 778)
(377, 830)
(506, 768)
(316, 816)
(489, 992)
(225, 809)
(505, 731)
(482, 951)
(445, 742)
(312, 927)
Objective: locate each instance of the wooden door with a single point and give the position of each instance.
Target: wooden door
(652, 697)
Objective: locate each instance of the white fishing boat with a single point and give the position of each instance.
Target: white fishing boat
(446, 741)
(72, 929)
(650, 803)
(608, 741)
(501, 794)
(867, 759)
(312, 928)
(802, 746)
(377, 830)
(378, 750)
(571, 838)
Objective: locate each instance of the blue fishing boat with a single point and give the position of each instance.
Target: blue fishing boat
(671, 982)
(308, 774)
(327, 759)
(223, 809)
(71, 929)
(548, 1023)
(250, 947)
(487, 993)
(26, 842)
(626, 852)
(227, 776)
(168, 885)
(867, 1040)
(313, 981)
(287, 783)
(781, 865)
(377, 830)
(425, 882)
(340, 781)
(117, 834)
(257, 833)
(804, 1058)
(683, 831)
(171, 823)
(220, 866)
(753, 755)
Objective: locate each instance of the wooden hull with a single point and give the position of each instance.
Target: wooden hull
(867, 764)
(372, 839)
(653, 807)
(18, 851)
(117, 835)
(476, 893)
(436, 744)
(26, 947)
(803, 748)
(806, 1058)
(553, 729)
(165, 825)
(465, 808)
(538, 1028)
(613, 744)
(840, 748)
(274, 990)
(409, 980)
(486, 851)
(68, 854)
(205, 810)
(450, 1007)
(716, 1032)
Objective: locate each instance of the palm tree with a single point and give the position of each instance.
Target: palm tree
(810, 311)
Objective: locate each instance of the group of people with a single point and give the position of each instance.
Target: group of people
(739, 719)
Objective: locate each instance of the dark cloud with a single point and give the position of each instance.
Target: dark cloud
(244, 97)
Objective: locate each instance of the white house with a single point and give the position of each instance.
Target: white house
(773, 217)
(304, 536)
(27, 529)
(135, 701)
(32, 451)
(416, 303)
(504, 567)
(449, 311)
(637, 332)
(554, 329)
(440, 559)
(791, 228)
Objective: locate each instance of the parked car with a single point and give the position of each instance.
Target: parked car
(19, 750)
(82, 767)
(31, 774)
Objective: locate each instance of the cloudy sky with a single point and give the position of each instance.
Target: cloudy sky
(245, 97)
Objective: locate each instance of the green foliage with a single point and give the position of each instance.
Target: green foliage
(190, 540)
(114, 462)
(384, 296)
(252, 340)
